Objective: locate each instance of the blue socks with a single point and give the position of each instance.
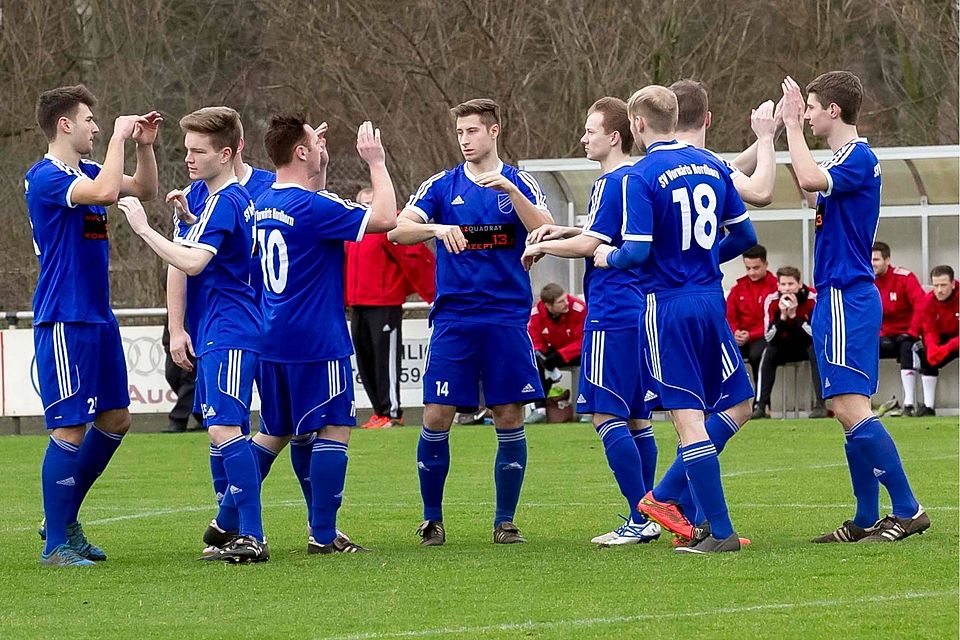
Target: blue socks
(703, 471)
(243, 487)
(92, 458)
(58, 479)
(328, 473)
(625, 462)
(647, 447)
(866, 487)
(265, 458)
(301, 450)
(509, 468)
(433, 464)
(873, 448)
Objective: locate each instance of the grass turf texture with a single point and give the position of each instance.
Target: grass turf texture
(785, 482)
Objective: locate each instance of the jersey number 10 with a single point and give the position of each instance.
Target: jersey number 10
(273, 260)
(705, 227)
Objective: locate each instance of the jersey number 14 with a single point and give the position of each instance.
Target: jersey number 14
(704, 228)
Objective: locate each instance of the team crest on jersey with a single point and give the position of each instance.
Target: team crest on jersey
(504, 204)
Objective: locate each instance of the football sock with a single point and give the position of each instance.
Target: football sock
(647, 447)
(301, 451)
(882, 454)
(228, 518)
(624, 460)
(929, 384)
(328, 474)
(508, 470)
(92, 458)
(265, 458)
(243, 485)
(907, 380)
(720, 428)
(866, 487)
(58, 478)
(433, 464)
(703, 471)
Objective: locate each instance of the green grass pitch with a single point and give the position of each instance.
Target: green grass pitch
(785, 481)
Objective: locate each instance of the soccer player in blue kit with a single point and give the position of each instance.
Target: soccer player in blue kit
(222, 313)
(846, 322)
(482, 211)
(307, 391)
(677, 198)
(79, 355)
(610, 370)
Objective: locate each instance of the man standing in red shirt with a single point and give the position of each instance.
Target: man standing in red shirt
(939, 329)
(556, 329)
(745, 311)
(380, 275)
(903, 299)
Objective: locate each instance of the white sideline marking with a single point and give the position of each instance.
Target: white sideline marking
(591, 622)
(833, 465)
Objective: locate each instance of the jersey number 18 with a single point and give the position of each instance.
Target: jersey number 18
(704, 229)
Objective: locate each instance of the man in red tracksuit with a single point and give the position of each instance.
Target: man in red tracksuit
(939, 330)
(788, 337)
(379, 277)
(902, 298)
(745, 311)
(556, 329)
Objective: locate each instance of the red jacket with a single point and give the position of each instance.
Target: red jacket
(902, 298)
(382, 274)
(745, 310)
(940, 326)
(778, 329)
(565, 334)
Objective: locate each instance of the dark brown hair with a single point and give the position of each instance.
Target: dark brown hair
(789, 272)
(942, 270)
(487, 109)
(883, 248)
(551, 292)
(283, 136)
(222, 124)
(61, 102)
(841, 88)
(692, 104)
(614, 112)
(757, 251)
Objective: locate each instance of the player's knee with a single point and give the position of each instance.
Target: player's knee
(73, 435)
(274, 443)
(438, 417)
(851, 409)
(335, 433)
(507, 415)
(741, 412)
(117, 421)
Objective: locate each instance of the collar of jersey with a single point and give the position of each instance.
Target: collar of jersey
(226, 184)
(473, 178)
(666, 146)
(246, 177)
(288, 185)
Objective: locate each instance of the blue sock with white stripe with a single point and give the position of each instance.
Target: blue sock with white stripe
(58, 479)
(301, 451)
(94, 455)
(226, 512)
(646, 445)
(866, 487)
(625, 462)
(228, 516)
(243, 485)
(881, 453)
(703, 471)
(720, 427)
(265, 458)
(433, 464)
(328, 475)
(509, 468)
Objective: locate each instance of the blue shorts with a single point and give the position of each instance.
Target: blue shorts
(225, 387)
(690, 359)
(464, 355)
(299, 397)
(846, 339)
(610, 374)
(81, 371)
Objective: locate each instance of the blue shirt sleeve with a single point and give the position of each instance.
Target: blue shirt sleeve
(217, 221)
(605, 217)
(638, 209)
(531, 190)
(734, 211)
(54, 186)
(845, 171)
(339, 219)
(424, 202)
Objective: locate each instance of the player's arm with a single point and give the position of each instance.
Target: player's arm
(180, 344)
(413, 229)
(145, 182)
(321, 132)
(741, 235)
(552, 232)
(105, 188)
(579, 246)
(383, 208)
(746, 162)
(809, 176)
(531, 208)
(190, 260)
(757, 189)
(637, 212)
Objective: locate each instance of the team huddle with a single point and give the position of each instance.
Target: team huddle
(255, 296)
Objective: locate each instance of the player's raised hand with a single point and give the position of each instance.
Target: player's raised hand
(451, 236)
(321, 133)
(368, 144)
(180, 346)
(124, 126)
(546, 232)
(778, 115)
(180, 207)
(531, 255)
(145, 131)
(762, 120)
(495, 180)
(136, 216)
(600, 256)
(793, 104)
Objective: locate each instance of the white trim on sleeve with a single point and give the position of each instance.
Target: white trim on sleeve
(417, 210)
(363, 224)
(597, 235)
(737, 220)
(827, 175)
(195, 245)
(69, 197)
(643, 237)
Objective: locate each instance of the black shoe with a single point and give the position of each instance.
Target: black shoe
(894, 529)
(432, 532)
(908, 411)
(175, 427)
(507, 533)
(214, 536)
(759, 412)
(847, 532)
(709, 544)
(340, 544)
(244, 550)
(818, 412)
(924, 411)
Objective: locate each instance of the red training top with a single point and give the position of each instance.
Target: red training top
(939, 326)
(380, 273)
(745, 310)
(902, 298)
(565, 334)
(778, 329)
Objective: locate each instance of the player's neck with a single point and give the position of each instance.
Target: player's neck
(64, 153)
(483, 165)
(653, 137)
(215, 183)
(696, 138)
(292, 174)
(614, 160)
(842, 135)
(241, 169)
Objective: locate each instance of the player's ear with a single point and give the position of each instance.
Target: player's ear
(64, 124)
(615, 139)
(707, 119)
(834, 110)
(494, 131)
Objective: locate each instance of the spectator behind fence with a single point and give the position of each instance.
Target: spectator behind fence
(939, 331)
(787, 337)
(745, 311)
(380, 275)
(556, 329)
(902, 298)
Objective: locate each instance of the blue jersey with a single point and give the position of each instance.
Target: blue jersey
(301, 235)
(486, 283)
(847, 216)
(222, 312)
(677, 198)
(71, 243)
(613, 295)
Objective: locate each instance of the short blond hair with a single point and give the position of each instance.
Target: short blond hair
(657, 105)
(222, 124)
